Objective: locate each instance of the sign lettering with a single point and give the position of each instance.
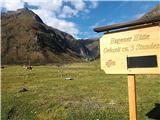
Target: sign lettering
(116, 47)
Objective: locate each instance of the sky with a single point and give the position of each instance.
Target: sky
(79, 17)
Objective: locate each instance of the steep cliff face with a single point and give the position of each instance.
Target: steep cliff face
(26, 38)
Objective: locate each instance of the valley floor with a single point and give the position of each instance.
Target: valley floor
(43, 93)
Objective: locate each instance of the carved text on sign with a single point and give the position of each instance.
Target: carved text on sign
(110, 63)
(118, 47)
(136, 37)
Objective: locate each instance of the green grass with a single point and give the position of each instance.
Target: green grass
(92, 95)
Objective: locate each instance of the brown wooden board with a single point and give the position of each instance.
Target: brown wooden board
(151, 20)
(134, 51)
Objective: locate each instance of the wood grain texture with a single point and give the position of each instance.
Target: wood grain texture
(128, 24)
(132, 97)
(116, 47)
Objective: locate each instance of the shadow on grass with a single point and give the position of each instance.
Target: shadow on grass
(155, 112)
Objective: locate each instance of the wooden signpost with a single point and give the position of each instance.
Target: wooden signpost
(133, 50)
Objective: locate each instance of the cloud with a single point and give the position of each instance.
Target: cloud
(98, 23)
(68, 12)
(50, 14)
(35, 1)
(94, 4)
(12, 5)
(55, 12)
(78, 4)
(52, 20)
(137, 16)
(49, 17)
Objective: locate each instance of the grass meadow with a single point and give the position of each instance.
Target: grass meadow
(91, 95)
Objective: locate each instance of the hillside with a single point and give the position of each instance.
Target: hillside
(93, 46)
(26, 38)
(154, 12)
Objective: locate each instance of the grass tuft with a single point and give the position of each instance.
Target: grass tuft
(91, 95)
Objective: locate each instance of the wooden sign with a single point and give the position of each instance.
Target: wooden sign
(131, 51)
(134, 51)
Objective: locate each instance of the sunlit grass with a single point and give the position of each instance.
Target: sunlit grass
(91, 95)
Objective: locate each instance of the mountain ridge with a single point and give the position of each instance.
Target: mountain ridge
(26, 38)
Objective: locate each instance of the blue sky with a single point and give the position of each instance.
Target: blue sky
(79, 17)
(109, 12)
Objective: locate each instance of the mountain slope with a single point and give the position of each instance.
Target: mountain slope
(26, 38)
(93, 46)
(154, 12)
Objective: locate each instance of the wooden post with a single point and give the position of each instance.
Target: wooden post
(132, 97)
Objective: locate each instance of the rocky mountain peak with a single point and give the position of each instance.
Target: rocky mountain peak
(26, 38)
